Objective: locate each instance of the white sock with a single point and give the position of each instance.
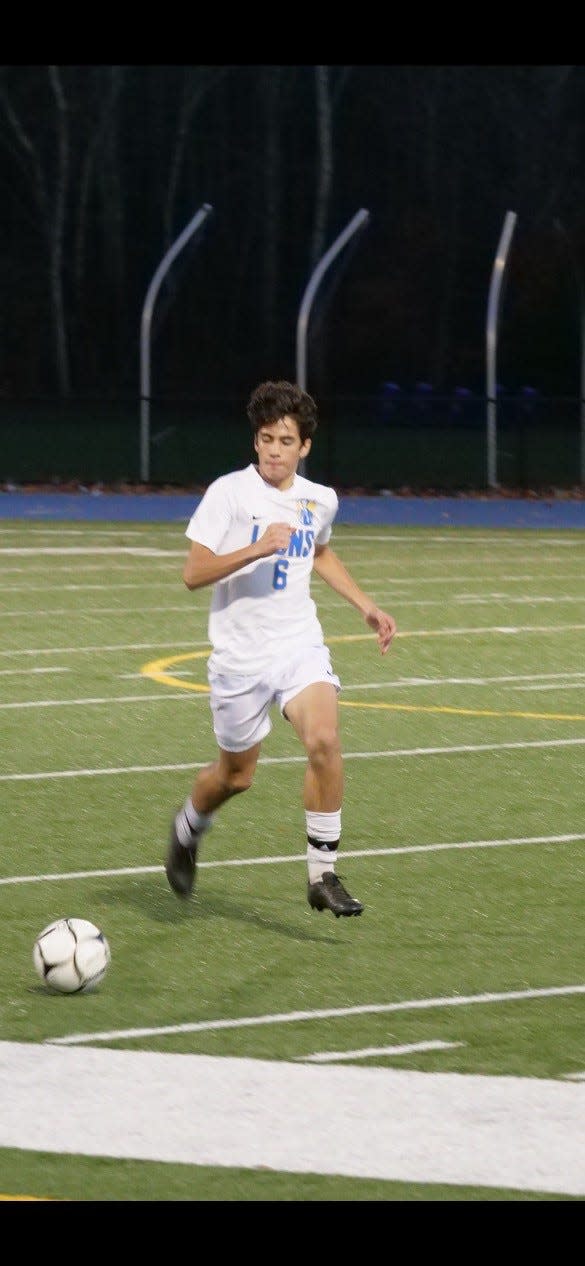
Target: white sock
(323, 834)
(189, 822)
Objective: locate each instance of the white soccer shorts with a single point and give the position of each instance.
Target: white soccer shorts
(241, 705)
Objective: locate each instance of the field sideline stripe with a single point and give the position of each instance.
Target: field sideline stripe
(464, 749)
(537, 681)
(407, 1048)
(81, 703)
(385, 578)
(516, 536)
(350, 637)
(400, 849)
(294, 1017)
(200, 691)
(461, 600)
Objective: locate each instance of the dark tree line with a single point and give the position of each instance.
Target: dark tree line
(102, 167)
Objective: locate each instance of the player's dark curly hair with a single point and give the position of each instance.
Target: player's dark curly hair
(273, 400)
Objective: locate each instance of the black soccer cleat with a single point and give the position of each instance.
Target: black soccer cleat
(181, 864)
(329, 894)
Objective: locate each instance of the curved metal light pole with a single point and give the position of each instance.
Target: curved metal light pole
(491, 342)
(145, 325)
(359, 220)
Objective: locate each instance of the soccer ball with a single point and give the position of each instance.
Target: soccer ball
(71, 956)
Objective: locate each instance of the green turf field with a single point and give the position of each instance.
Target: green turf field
(463, 830)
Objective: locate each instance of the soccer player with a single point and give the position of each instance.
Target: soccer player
(256, 536)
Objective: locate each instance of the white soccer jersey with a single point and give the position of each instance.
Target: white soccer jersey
(264, 611)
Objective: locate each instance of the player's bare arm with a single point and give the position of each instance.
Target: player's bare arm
(331, 569)
(203, 567)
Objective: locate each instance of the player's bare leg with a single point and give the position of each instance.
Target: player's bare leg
(315, 718)
(230, 774)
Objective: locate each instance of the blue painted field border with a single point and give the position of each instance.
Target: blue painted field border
(383, 511)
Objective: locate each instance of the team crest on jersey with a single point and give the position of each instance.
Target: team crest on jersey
(306, 510)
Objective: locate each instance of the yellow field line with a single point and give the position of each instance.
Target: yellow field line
(466, 712)
(156, 671)
(2, 1197)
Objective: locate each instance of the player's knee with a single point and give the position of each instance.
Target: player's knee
(323, 744)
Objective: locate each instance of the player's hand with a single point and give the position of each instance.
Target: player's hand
(276, 536)
(384, 627)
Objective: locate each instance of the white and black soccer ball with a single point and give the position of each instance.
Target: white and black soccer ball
(71, 956)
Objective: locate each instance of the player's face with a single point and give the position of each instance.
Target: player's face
(280, 449)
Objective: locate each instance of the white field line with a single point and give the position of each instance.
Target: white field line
(408, 1048)
(111, 585)
(93, 529)
(102, 587)
(459, 749)
(395, 1124)
(136, 551)
(330, 1013)
(513, 630)
(516, 538)
(506, 680)
(19, 672)
(398, 850)
(45, 613)
(541, 539)
(115, 567)
(453, 578)
(472, 599)
(567, 685)
(388, 596)
(82, 703)
(102, 650)
(561, 681)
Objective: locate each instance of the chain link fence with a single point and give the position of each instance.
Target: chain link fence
(390, 442)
